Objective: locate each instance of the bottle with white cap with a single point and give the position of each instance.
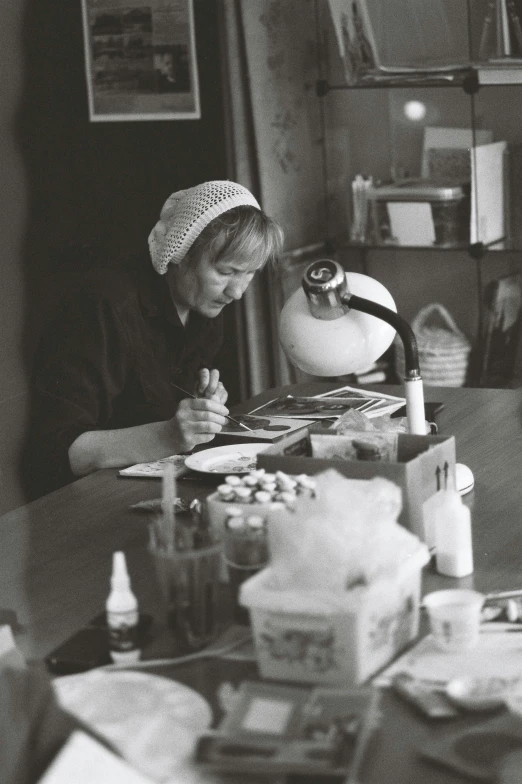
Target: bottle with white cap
(453, 543)
(122, 614)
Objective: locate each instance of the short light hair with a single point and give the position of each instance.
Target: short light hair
(245, 231)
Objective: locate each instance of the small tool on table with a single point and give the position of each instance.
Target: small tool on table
(189, 394)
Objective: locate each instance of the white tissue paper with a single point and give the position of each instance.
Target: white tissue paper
(340, 597)
(348, 536)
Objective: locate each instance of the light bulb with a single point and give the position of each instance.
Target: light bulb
(415, 110)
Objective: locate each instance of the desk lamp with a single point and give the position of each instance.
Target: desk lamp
(340, 322)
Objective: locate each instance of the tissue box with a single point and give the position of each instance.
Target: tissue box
(425, 464)
(314, 642)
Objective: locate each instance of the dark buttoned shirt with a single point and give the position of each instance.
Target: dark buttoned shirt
(112, 358)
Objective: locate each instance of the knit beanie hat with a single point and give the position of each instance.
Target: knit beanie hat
(186, 213)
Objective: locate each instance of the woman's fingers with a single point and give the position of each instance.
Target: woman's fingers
(208, 382)
(201, 418)
(206, 426)
(203, 379)
(205, 404)
(200, 410)
(212, 383)
(221, 394)
(210, 387)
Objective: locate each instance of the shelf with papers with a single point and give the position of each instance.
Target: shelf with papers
(422, 182)
(474, 252)
(470, 79)
(465, 78)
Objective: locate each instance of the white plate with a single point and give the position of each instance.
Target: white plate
(479, 693)
(230, 459)
(154, 722)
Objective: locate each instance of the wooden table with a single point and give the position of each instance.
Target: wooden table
(55, 553)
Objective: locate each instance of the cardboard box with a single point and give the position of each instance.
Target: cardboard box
(368, 627)
(425, 465)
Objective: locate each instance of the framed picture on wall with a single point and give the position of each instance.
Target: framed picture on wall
(140, 60)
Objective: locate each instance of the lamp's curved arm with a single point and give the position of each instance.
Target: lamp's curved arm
(407, 335)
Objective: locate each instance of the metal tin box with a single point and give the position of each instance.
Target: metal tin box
(449, 207)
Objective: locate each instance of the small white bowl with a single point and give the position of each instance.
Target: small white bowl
(464, 479)
(478, 694)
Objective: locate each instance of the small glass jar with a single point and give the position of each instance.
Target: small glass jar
(246, 552)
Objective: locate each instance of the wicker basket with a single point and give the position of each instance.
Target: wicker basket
(443, 349)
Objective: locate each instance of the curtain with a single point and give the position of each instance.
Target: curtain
(254, 324)
(275, 150)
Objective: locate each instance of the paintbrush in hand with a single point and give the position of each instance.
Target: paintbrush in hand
(189, 394)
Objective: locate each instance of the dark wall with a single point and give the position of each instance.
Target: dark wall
(77, 192)
(100, 186)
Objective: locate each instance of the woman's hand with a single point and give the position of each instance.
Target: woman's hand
(197, 420)
(210, 387)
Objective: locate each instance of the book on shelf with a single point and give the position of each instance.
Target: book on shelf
(467, 156)
(400, 29)
(355, 38)
(501, 34)
(502, 62)
(499, 72)
(488, 209)
(458, 140)
(503, 299)
(421, 69)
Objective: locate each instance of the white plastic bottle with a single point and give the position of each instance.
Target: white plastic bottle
(453, 543)
(122, 614)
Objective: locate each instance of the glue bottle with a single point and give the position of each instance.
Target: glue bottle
(453, 544)
(122, 614)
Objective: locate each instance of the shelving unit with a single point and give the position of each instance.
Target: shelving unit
(468, 78)
(472, 95)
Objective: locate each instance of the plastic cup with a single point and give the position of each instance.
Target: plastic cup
(454, 618)
(190, 584)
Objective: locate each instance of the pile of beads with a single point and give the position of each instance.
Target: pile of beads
(264, 488)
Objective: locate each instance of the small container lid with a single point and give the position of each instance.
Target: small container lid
(418, 191)
(120, 580)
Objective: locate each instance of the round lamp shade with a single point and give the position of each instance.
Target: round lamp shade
(343, 345)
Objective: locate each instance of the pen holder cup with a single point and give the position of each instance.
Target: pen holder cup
(245, 555)
(189, 582)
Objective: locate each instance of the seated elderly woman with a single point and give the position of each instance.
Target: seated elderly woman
(109, 370)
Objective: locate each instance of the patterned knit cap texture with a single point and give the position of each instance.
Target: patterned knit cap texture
(186, 213)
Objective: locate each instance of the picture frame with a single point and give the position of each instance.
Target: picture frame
(140, 60)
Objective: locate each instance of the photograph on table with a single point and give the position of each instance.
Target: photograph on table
(262, 427)
(347, 391)
(325, 407)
